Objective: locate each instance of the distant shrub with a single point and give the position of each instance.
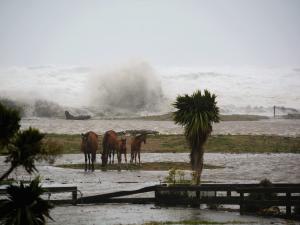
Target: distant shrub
(51, 150)
(176, 176)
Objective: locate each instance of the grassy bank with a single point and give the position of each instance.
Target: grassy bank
(153, 166)
(219, 143)
(177, 143)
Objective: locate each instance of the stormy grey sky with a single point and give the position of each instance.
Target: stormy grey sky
(165, 33)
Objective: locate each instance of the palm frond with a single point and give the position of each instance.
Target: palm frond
(24, 205)
(26, 148)
(9, 123)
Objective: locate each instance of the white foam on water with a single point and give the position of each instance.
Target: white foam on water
(145, 88)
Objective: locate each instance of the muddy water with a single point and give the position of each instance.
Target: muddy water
(268, 127)
(238, 168)
(139, 214)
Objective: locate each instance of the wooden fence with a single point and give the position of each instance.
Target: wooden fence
(283, 194)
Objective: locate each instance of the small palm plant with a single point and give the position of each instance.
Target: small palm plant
(24, 150)
(9, 124)
(196, 113)
(24, 205)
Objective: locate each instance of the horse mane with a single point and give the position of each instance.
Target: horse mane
(141, 136)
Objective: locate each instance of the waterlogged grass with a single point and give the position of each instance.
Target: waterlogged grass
(196, 222)
(150, 166)
(177, 143)
(217, 143)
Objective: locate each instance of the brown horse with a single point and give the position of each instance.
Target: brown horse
(136, 147)
(122, 149)
(112, 145)
(89, 146)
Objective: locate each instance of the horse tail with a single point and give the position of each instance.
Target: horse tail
(105, 149)
(104, 143)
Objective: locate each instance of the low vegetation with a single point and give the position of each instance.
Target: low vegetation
(150, 166)
(70, 144)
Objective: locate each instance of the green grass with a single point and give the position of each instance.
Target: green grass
(151, 166)
(177, 143)
(227, 144)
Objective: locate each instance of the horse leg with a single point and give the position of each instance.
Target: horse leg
(139, 153)
(93, 160)
(119, 155)
(85, 159)
(89, 156)
(109, 156)
(113, 156)
(131, 157)
(125, 155)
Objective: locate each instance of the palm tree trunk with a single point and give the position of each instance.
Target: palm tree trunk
(7, 173)
(197, 162)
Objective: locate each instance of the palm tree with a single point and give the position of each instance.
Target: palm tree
(196, 113)
(24, 150)
(24, 205)
(9, 124)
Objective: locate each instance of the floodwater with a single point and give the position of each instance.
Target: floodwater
(238, 168)
(268, 127)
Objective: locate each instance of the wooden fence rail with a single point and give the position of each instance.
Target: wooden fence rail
(49, 190)
(283, 194)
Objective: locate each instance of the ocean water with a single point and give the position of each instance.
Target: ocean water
(141, 87)
(267, 127)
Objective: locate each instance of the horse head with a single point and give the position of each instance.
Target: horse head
(123, 141)
(143, 138)
(84, 138)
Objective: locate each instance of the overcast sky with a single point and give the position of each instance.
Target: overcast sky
(165, 33)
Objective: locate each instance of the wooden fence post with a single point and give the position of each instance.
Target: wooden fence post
(288, 205)
(242, 207)
(74, 197)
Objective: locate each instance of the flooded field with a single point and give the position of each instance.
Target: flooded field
(238, 168)
(62, 126)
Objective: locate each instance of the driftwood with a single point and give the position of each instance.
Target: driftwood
(69, 116)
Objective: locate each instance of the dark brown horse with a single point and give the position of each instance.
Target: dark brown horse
(112, 145)
(136, 147)
(89, 146)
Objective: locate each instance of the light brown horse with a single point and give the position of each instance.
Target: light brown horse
(136, 147)
(89, 146)
(112, 145)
